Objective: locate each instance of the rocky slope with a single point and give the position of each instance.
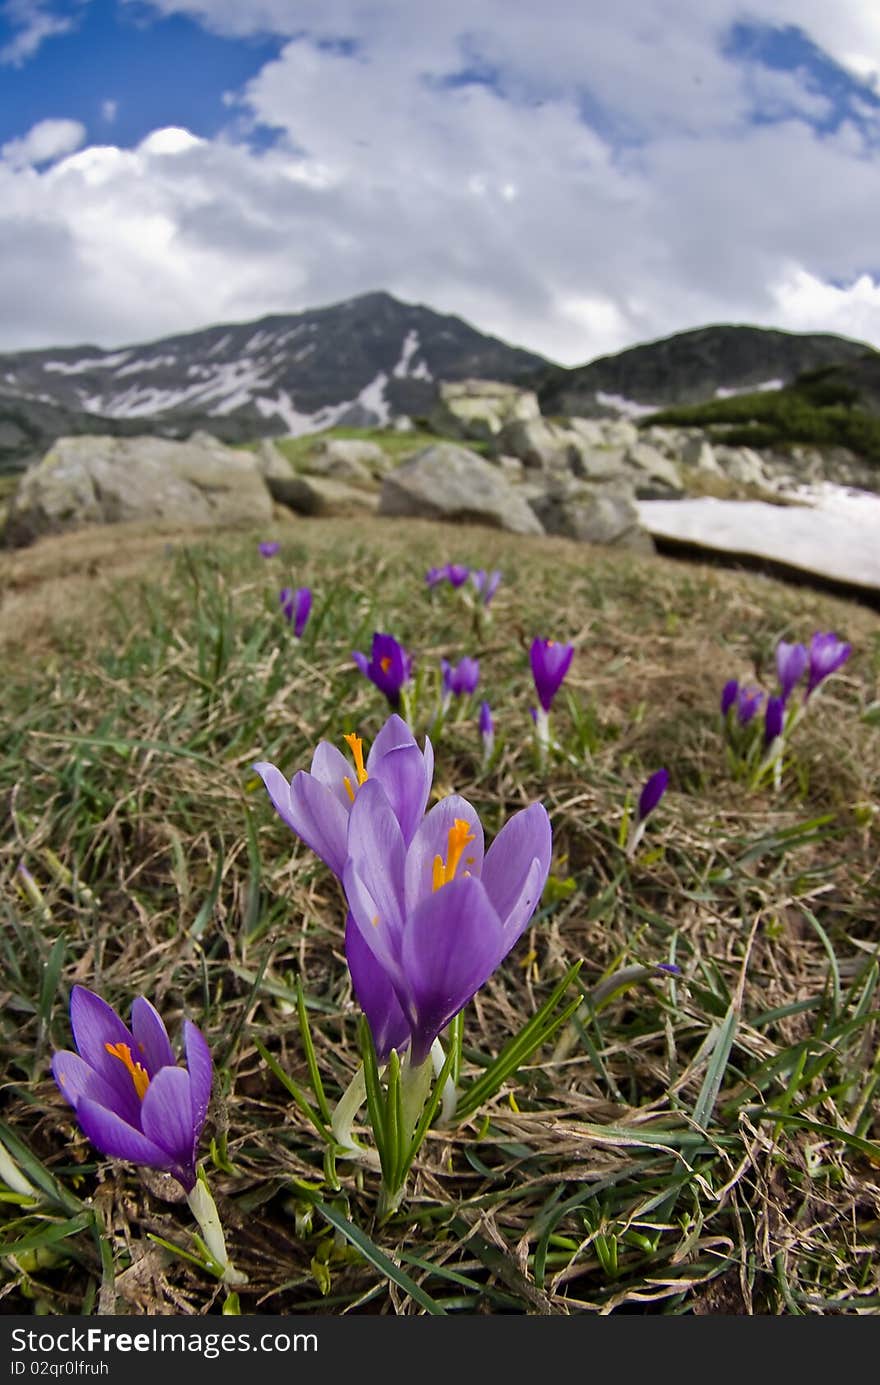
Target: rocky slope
(692, 367)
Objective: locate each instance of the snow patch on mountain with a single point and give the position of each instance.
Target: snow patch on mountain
(722, 392)
(87, 363)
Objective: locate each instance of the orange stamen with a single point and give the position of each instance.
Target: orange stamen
(139, 1075)
(385, 663)
(459, 836)
(356, 746)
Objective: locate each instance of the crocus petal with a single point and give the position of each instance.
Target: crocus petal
(406, 774)
(729, 694)
(394, 733)
(516, 868)
(774, 719)
(154, 1050)
(167, 1118)
(362, 662)
(303, 607)
(652, 793)
(550, 663)
(96, 1024)
(487, 725)
(201, 1074)
(374, 993)
(452, 943)
(432, 840)
(117, 1139)
(791, 661)
(77, 1080)
(331, 768)
(377, 852)
(311, 811)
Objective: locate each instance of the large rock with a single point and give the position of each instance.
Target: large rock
(477, 410)
(324, 496)
(654, 476)
(355, 460)
(604, 516)
(539, 443)
(447, 482)
(106, 480)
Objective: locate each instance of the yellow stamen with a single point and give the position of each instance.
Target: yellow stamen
(348, 789)
(138, 1073)
(459, 836)
(356, 746)
(385, 663)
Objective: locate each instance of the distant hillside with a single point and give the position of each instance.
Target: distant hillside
(692, 367)
(357, 363)
(836, 405)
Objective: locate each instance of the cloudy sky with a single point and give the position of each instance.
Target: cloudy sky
(574, 176)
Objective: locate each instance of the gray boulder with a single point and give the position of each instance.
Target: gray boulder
(539, 443)
(324, 496)
(447, 482)
(95, 479)
(604, 516)
(654, 476)
(477, 410)
(354, 460)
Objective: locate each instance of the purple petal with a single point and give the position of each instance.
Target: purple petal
(405, 774)
(774, 719)
(374, 994)
(201, 1074)
(167, 1117)
(331, 768)
(96, 1024)
(516, 868)
(729, 694)
(791, 661)
(303, 607)
(77, 1080)
(117, 1139)
(652, 793)
(550, 663)
(377, 852)
(432, 839)
(452, 943)
(394, 733)
(153, 1049)
(362, 662)
(487, 725)
(311, 811)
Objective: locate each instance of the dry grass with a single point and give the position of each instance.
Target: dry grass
(701, 1144)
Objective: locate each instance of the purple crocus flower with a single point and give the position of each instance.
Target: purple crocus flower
(437, 917)
(296, 607)
(729, 694)
(827, 653)
(389, 667)
(456, 574)
(130, 1097)
(461, 680)
(486, 584)
(791, 660)
(774, 719)
(652, 793)
(268, 550)
(550, 663)
(748, 703)
(316, 807)
(434, 575)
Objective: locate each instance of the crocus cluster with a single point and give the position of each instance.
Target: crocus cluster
(458, 680)
(430, 914)
(453, 573)
(389, 667)
(741, 702)
(296, 607)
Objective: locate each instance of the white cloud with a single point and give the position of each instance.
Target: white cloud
(32, 23)
(47, 140)
(607, 185)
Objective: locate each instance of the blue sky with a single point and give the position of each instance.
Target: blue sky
(573, 177)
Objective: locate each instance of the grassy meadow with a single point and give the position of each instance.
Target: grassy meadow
(706, 1142)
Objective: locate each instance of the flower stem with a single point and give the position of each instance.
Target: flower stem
(204, 1209)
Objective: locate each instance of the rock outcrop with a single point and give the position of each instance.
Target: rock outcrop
(105, 480)
(448, 482)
